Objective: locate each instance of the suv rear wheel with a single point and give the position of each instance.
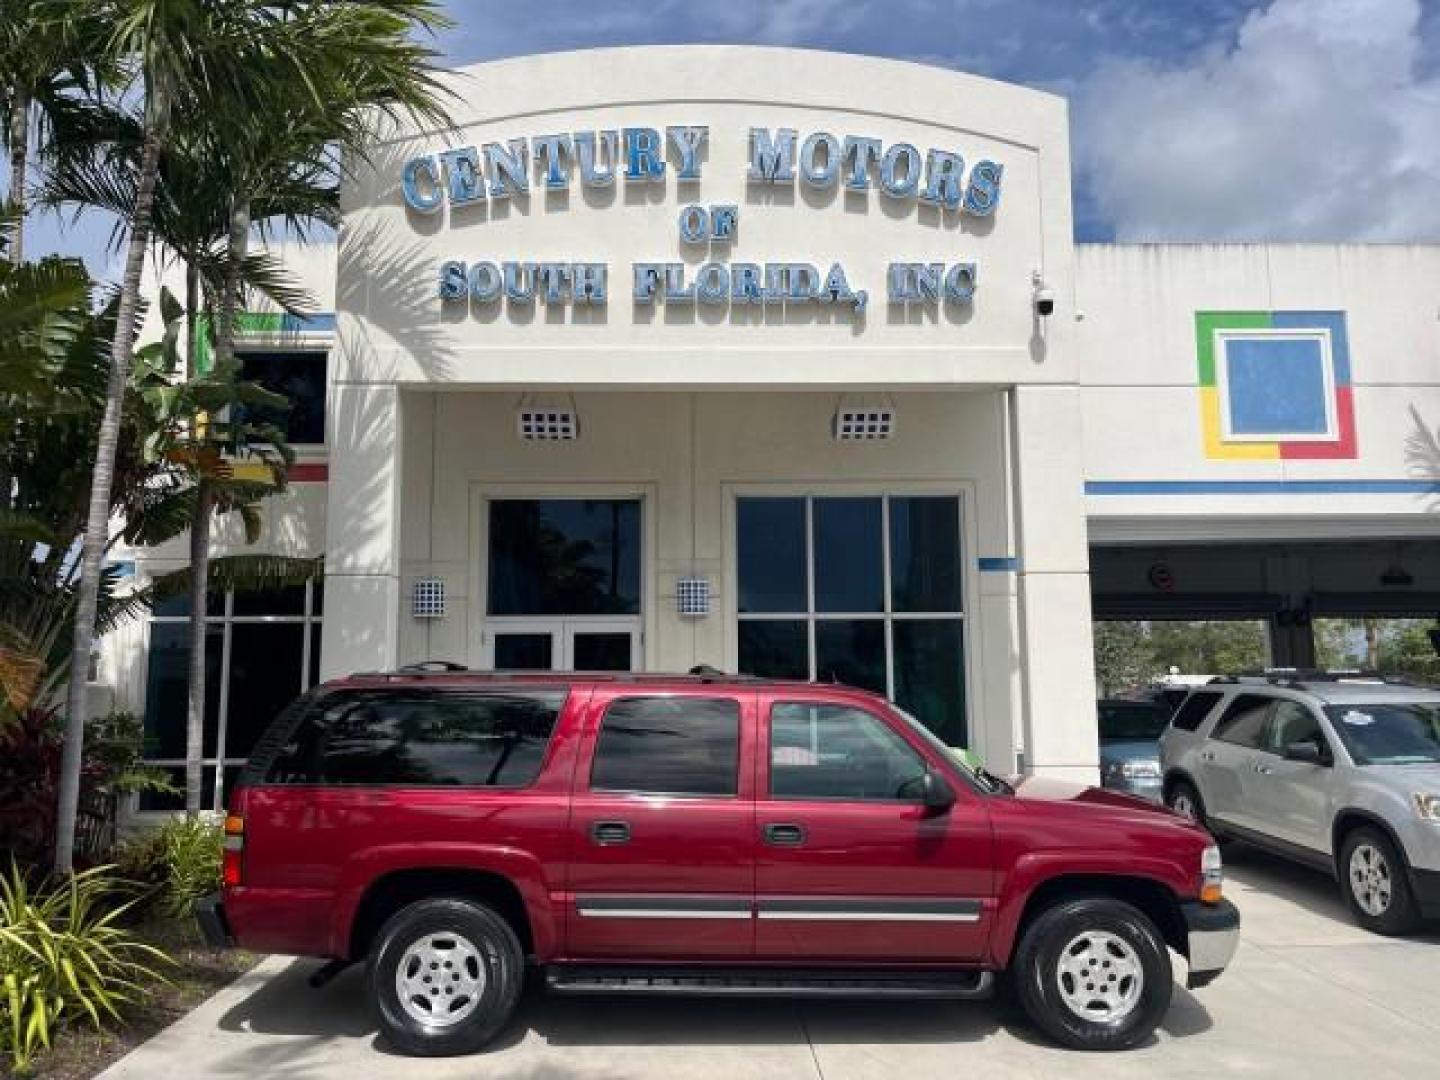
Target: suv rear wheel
(1376, 883)
(1094, 974)
(444, 976)
(1185, 800)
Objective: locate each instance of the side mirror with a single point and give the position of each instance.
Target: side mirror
(935, 794)
(1307, 751)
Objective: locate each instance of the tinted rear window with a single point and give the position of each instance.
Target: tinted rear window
(669, 746)
(421, 738)
(1131, 720)
(1197, 706)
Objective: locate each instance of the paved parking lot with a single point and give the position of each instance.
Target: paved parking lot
(1309, 994)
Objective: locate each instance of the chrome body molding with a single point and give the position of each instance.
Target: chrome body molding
(786, 908)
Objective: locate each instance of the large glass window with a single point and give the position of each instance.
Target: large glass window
(564, 557)
(262, 650)
(296, 374)
(669, 746)
(862, 590)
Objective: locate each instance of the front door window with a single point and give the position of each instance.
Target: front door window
(864, 590)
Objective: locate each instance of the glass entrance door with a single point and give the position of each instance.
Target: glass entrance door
(564, 645)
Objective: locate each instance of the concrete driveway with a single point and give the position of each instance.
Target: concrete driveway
(1308, 995)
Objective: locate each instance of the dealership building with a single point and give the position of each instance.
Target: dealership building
(788, 363)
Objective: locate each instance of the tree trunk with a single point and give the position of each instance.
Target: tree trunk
(192, 304)
(97, 525)
(200, 524)
(19, 147)
(199, 593)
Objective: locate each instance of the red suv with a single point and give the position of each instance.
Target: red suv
(695, 835)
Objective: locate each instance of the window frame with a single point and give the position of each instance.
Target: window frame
(1273, 719)
(309, 619)
(967, 574)
(766, 790)
(602, 712)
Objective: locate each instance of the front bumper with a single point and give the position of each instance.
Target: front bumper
(1426, 886)
(1213, 932)
(1152, 790)
(210, 914)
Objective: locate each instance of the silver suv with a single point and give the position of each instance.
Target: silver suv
(1340, 773)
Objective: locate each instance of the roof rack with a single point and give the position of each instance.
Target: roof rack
(1297, 678)
(699, 674)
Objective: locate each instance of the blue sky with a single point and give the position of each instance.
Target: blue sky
(1190, 119)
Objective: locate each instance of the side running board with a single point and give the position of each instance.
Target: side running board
(772, 982)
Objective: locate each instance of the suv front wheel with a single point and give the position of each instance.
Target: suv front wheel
(444, 977)
(1376, 883)
(1094, 974)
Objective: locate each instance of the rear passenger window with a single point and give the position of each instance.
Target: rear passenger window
(669, 746)
(439, 739)
(1243, 722)
(1196, 707)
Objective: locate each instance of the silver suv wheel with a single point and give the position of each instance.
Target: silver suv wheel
(440, 979)
(1100, 977)
(1371, 879)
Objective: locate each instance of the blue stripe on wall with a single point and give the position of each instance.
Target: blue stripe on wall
(998, 563)
(1262, 487)
(308, 324)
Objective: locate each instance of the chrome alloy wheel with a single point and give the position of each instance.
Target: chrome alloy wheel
(440, 979)
(1100, 977)
(1370, 880)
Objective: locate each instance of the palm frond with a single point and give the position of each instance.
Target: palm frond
(244, 573)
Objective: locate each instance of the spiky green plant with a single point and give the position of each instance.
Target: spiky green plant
(64, 955)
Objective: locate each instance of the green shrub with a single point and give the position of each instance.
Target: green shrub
(179, 860)
(191, 855)
(63, 955)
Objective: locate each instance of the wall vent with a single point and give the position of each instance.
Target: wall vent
(548, 425)
(867, 424)
(427, 598)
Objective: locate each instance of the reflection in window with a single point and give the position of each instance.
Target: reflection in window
(837, 752)
(669, 746)
(564, 557)
(298, 375)
(443, 739)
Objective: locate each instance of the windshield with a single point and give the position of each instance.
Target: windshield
(1394, 734)
(1131, 720)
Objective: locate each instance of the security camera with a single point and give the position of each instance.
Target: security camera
(1044, 300)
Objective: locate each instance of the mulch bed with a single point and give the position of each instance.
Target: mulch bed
(80, 1051)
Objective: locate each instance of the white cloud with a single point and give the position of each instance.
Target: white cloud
(1315, 125)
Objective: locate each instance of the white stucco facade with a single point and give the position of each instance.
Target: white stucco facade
(1150, 409)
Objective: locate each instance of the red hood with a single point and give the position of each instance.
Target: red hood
(1046, 789)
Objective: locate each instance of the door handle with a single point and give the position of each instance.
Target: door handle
(1208, 755)
(610, 833)
(784, 835)
(1263, 769)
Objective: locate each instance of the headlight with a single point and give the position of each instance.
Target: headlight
(1133, 770)
(1212, 875)
(1428, 807)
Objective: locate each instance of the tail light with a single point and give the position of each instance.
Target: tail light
(234, 851)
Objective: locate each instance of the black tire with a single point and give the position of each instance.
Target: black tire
(1182, 791)
(494, 962)
(1042, 986)
(1390, 915)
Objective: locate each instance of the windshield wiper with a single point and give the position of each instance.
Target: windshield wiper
(994, 781)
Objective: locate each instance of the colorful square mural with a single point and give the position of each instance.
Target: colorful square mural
(1275, 385)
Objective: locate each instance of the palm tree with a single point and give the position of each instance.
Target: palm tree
(215, 65)
(193, 58)
(48, 68)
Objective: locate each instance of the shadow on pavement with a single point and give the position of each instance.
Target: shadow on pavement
(286, 1005)
(1314, 890)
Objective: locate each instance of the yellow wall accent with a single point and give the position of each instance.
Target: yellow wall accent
(1217, 447)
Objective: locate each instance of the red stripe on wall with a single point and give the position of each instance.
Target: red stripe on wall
(309, 472)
